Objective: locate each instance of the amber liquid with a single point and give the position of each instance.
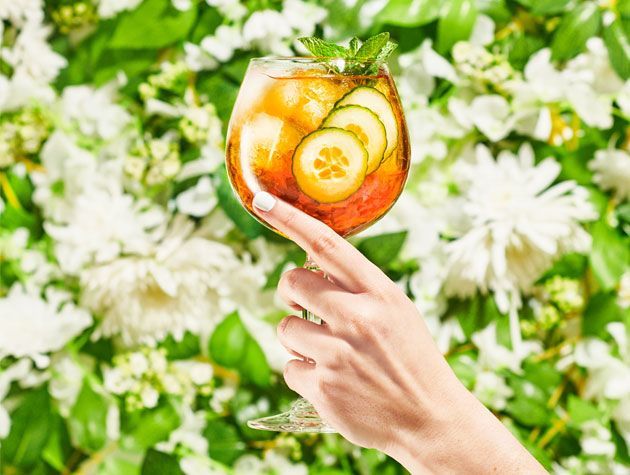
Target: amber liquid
(272, 115)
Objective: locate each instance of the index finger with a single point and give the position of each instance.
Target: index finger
(336, 256)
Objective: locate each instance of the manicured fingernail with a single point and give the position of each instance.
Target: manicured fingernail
(264, 201)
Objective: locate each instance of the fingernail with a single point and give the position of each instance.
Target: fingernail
(264, 201)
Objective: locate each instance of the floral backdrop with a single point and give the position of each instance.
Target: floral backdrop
(137, 306)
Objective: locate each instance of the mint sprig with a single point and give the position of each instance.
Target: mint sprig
(363, 58)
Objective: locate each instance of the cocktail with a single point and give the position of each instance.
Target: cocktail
(327, 139)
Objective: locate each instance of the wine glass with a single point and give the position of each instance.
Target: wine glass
(332, 144)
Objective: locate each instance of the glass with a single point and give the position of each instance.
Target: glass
(334, 145)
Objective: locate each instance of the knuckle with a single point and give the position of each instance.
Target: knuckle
(325, 242)
(290, 280)
(286, 325)
(291, 218)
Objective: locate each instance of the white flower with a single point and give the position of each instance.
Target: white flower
(201, 465)
(65, 382)
(70, 171)
(188, 434)
(493, 355)
(31, 326)
(595, 110)
(623, 98)
(492, 390)
(211, 157)
(492, 116)
(268, 30)
(231, 9)
(303, 17)
(608, 376)
(593, 68)
(514, 223)
(596, 439)
(483, 31)
(273, 462)
(31, 54)
(624, 291)
(612, 171)
(22, 90)
(19, 12)
(101, 226)
(182, 5)
(181, 283)
(197, 59)
(198, 372)
(223, 43)
(93, 111)
(111, 8)
(420, 67)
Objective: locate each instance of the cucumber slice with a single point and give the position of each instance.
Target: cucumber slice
(376, 101)
(366, 125)
(330, 164)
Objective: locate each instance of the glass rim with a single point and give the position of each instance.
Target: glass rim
(312, 60)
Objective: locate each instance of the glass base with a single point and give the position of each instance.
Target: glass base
(302, 417)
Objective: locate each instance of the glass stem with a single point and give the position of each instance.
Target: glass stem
(312, 266)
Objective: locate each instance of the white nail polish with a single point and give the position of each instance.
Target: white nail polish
(264, 201)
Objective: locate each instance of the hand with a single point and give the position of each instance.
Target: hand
(377, 377)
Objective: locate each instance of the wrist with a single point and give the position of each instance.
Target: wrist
(460, 435)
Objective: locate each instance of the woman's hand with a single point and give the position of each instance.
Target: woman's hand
(377, 377)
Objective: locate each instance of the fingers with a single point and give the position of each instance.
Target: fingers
(305, 338)
(300, 376)
(306, 289)
(349, 268)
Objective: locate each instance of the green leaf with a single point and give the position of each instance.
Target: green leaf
(542, 374)
(154, 24)
(323, 49)
(576, 27)
(208, 22)
(382, 249)
(623, 7)
(187, 347)
(610, 254)
(219, 85)
(13, 218)
(233, 208)
(600, 310)
(410, 12)
(132, 62)
(122, 462)
(30, 426)
(232, 346)
(88, 419)
(528, 412)
(617, 39)
(372, 47)
(544, 7)
(153, 426)
(456, 24)
(296, 256)
(58, 447)
(159, 462)
(354, 45)
(570, 265)
(224, 442)
(581, 411)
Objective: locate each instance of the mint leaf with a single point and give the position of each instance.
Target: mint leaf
(323, 49)
(372, 47)
(355, 44)
(361, 58)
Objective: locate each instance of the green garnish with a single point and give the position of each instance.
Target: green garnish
(363, 58)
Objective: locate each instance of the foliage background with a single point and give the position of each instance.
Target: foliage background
(136, 296)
